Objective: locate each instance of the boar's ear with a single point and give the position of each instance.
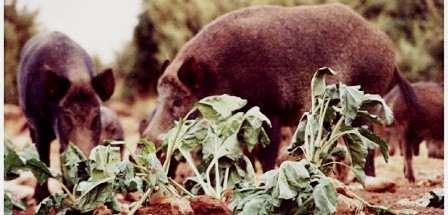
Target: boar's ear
(57, 86)
(104, 84)
(164, 65)
(191, 74)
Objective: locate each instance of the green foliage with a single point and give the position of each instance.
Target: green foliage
(216, 139)
(25, 158)
(220, 135)
(136, 62)
(53, 201)
(146, 70)
(297, 187)
(10, 203)
(338, 112)
(416, 28)
(95, 181)
(19, 27)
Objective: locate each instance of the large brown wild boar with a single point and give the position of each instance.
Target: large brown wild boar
(60, 94)
(410, 129)
(268, 55)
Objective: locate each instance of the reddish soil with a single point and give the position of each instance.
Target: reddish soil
(203, 205)
(429, 174)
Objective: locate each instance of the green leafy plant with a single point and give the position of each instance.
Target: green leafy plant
(96, 181)
(212, 144)
(339, 113)
(220, 134)
(22, 158)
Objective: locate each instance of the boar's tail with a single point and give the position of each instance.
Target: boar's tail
(408, 94)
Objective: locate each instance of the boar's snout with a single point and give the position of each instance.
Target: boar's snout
(157, 124)
(154, 134)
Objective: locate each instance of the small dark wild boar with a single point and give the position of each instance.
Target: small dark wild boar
(60, 94)
(413, 124)
(268, 55)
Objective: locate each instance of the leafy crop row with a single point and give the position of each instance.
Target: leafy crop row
(212, 145)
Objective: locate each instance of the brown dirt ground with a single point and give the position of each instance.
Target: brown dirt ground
(429, 172)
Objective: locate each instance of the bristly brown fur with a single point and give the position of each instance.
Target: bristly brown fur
(268, 55)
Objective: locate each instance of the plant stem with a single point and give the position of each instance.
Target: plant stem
(172, 146)
(321, 121)
(140, 201)
(166, 163)
(226, 178)
(217, 179)
(70, 195)
(336, 162)
(207, 189)
(337, 136)
(181, 187)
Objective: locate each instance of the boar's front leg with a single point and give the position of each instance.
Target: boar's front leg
(42, 138)
(369, 167)
(268, 155)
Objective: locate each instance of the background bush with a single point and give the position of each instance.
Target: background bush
(19, 27)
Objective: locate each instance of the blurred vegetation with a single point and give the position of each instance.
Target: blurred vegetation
(416, 28)
(137, 64)
(19, 27)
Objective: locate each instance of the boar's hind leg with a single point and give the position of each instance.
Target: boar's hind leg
(268, 155)
(409, 146)
(43, 137)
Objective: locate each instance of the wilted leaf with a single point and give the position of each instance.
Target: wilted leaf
(388, 115)
(26, 159)
(318, 81)
(252, 130)
(7, 207)
(55, 201)
(384, 147)
(102, 161)
(93, 194)
(351, 98)
(298, 139)
(292, 178)
(260, 204)
(74, 165)
(219, 107)
(12, 161)
(216, 148)
(10, 203)
(125, 179)
(325, 197)
(241, 170)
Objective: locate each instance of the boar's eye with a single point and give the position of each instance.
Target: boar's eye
(66, 122)
(177, 102)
